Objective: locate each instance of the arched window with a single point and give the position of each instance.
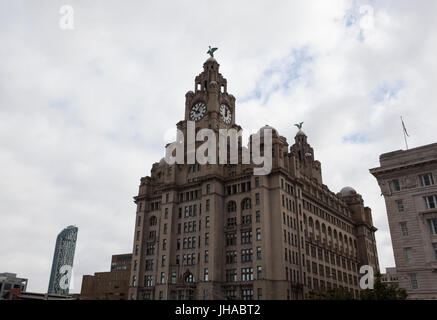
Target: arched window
(310, 222)
(323, 228)
(232, 206)
(329, 232)
(153, 221)
(245, 204)
(335, 234)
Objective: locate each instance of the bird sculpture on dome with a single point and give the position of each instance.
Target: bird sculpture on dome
(299, 125)
(211, 51)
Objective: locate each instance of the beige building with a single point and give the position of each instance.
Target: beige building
(220, 232)
(390, 277)
(407, 181)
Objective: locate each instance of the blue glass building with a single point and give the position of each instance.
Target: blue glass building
(63, 261)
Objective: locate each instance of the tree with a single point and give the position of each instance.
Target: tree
(384, 291)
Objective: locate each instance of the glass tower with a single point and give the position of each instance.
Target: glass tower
(63, 261)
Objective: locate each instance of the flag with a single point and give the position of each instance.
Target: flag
(405, 129)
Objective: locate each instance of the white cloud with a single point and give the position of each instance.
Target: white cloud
(84, 113)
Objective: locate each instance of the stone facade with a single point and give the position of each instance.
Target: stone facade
(220, 232)
(407, 181)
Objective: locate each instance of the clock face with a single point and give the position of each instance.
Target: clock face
(197, 111)
(226, 114)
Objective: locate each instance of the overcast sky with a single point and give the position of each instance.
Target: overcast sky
(84, 113)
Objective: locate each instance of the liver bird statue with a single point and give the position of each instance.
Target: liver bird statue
(299, 125)
(211, 51)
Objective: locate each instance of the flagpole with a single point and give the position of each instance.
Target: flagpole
(403, 130)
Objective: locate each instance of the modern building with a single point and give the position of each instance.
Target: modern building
(407, 181)
(217, 231)
(112, 285)
(63, 261)
(9, 283)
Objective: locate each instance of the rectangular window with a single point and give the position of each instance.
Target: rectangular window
(246, 274)
(256, 182)
(207, 238)
(404, 229)
(246, 237)
(432, 225)
(205, 275)
(231, 275)
(207, 205)
(258, 234)
(208, 189)
(207, 222)
(408, 255)
(258, 216)
(414, 283)
(258, 253)
(434, 247)
(257, 198)
(247, 294)
(259, 273)
(426, 179)
(430, 202)
(149, 281)
(396, 185)
(400, 205)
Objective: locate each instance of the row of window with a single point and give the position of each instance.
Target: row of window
(246, 255)
(330, 257)
(320, 269)
(246, 237)
(429, 201)
(246, 274)
(287, 187)
(425, 180)
(314, 283)
(326, 216)
(432, 223)
(238, 188)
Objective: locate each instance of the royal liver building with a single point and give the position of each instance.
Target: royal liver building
(217, 231)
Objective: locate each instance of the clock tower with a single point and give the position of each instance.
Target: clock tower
(210, 105)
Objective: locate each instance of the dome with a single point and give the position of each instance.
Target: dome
(267, 127)
(300, 133)
(347, 191)
(162, 162)
(211, 59)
